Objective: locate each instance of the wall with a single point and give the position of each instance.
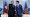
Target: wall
(1, 6)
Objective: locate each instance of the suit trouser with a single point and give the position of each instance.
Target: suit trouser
(10, 14)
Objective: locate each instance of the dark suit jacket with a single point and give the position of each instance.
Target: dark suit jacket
(11, 9)
(19, 9)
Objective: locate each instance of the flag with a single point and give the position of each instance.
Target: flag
(5, 8)
(26, 9)
(29, 10)
(1, 10)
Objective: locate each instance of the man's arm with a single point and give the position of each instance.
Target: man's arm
(21, 8)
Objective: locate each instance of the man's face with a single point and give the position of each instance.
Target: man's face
(16, 2)
(12, 2)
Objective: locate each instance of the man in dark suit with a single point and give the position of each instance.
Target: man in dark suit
(11, 10)
(19, 10)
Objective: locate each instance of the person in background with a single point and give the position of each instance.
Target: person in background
(25, 9)
(11, 9)
(19, 9)
(5, 8)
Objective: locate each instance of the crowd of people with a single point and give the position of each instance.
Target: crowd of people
(15, 11)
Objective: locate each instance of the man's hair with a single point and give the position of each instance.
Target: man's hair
(11, 1)
(17, 1)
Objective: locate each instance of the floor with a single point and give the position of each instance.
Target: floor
(4, 15)
(24, 15)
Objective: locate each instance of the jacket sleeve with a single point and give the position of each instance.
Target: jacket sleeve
(21, 8)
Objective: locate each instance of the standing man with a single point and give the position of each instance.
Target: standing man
(19, 10)
(11, 9)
